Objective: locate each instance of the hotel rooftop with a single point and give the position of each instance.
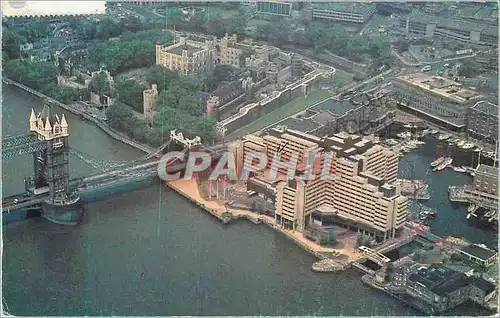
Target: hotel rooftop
(439, 86)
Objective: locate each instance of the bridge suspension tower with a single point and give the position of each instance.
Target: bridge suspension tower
(51, 166)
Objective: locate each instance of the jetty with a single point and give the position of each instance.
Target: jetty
(327, 265)
(466, 194)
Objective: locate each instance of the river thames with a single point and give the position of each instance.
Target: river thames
(150, 252)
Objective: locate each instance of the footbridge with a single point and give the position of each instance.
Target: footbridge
(49, 143)
(374, 256)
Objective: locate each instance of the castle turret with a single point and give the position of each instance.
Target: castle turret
(48, 126)
(32, 120)
(64, 125)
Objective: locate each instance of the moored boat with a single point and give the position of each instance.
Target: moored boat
(437, 162)
(460, 143)
(440, 167)
(468, 146)
(443, 137)
(448, 161)
(458, 169)
(472, 208)
(434, 131)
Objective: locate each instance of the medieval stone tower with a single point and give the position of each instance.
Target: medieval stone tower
(150, 97)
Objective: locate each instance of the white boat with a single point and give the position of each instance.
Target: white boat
(391, 142)
(440, 167)
(473, 174)
(443, 137)
(472, 208)
(458, 169)
(411, 146)
(434, 131)
(448, 161)
(404, 135)
(460, 143)
(437, 162)
(468, 146)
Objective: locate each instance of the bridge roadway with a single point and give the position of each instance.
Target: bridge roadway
(146, 169)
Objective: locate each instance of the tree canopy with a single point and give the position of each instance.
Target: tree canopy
(33, 74)
(133, 50)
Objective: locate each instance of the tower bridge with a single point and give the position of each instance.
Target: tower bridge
(53, 192)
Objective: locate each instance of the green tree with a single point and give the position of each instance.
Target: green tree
(33, 74)
(100, 84)
(323, 240)
(35, 29)
(11, 42)
(130, 93)
(108, 28)
(130, 23)
(279, 33)
(190, 103)
(161, 76)
(339, 80)
(332, 237)
(205, 128)
(86, 30)
(363, 240)
(402, 46)
(360, 240)
(470, 68)
(168, 118)
(216, 26)
(63, 94)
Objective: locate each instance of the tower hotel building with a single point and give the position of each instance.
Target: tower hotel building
(363, 194)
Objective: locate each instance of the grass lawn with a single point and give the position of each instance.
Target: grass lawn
(281, 113)
(256, 22)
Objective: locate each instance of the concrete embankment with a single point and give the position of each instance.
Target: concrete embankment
(188, 189)
(111, 132)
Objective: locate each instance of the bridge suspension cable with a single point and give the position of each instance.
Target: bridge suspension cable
(98, 163)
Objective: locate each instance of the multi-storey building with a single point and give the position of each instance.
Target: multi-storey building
(139, 2)
(187, 56)
(462, 30)
(283, 8)
(442, 288)
(230, 51)
(483, 121)
(486, 180)
(198, 56)
(435, 98)
(362, 193)
(353, 12)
